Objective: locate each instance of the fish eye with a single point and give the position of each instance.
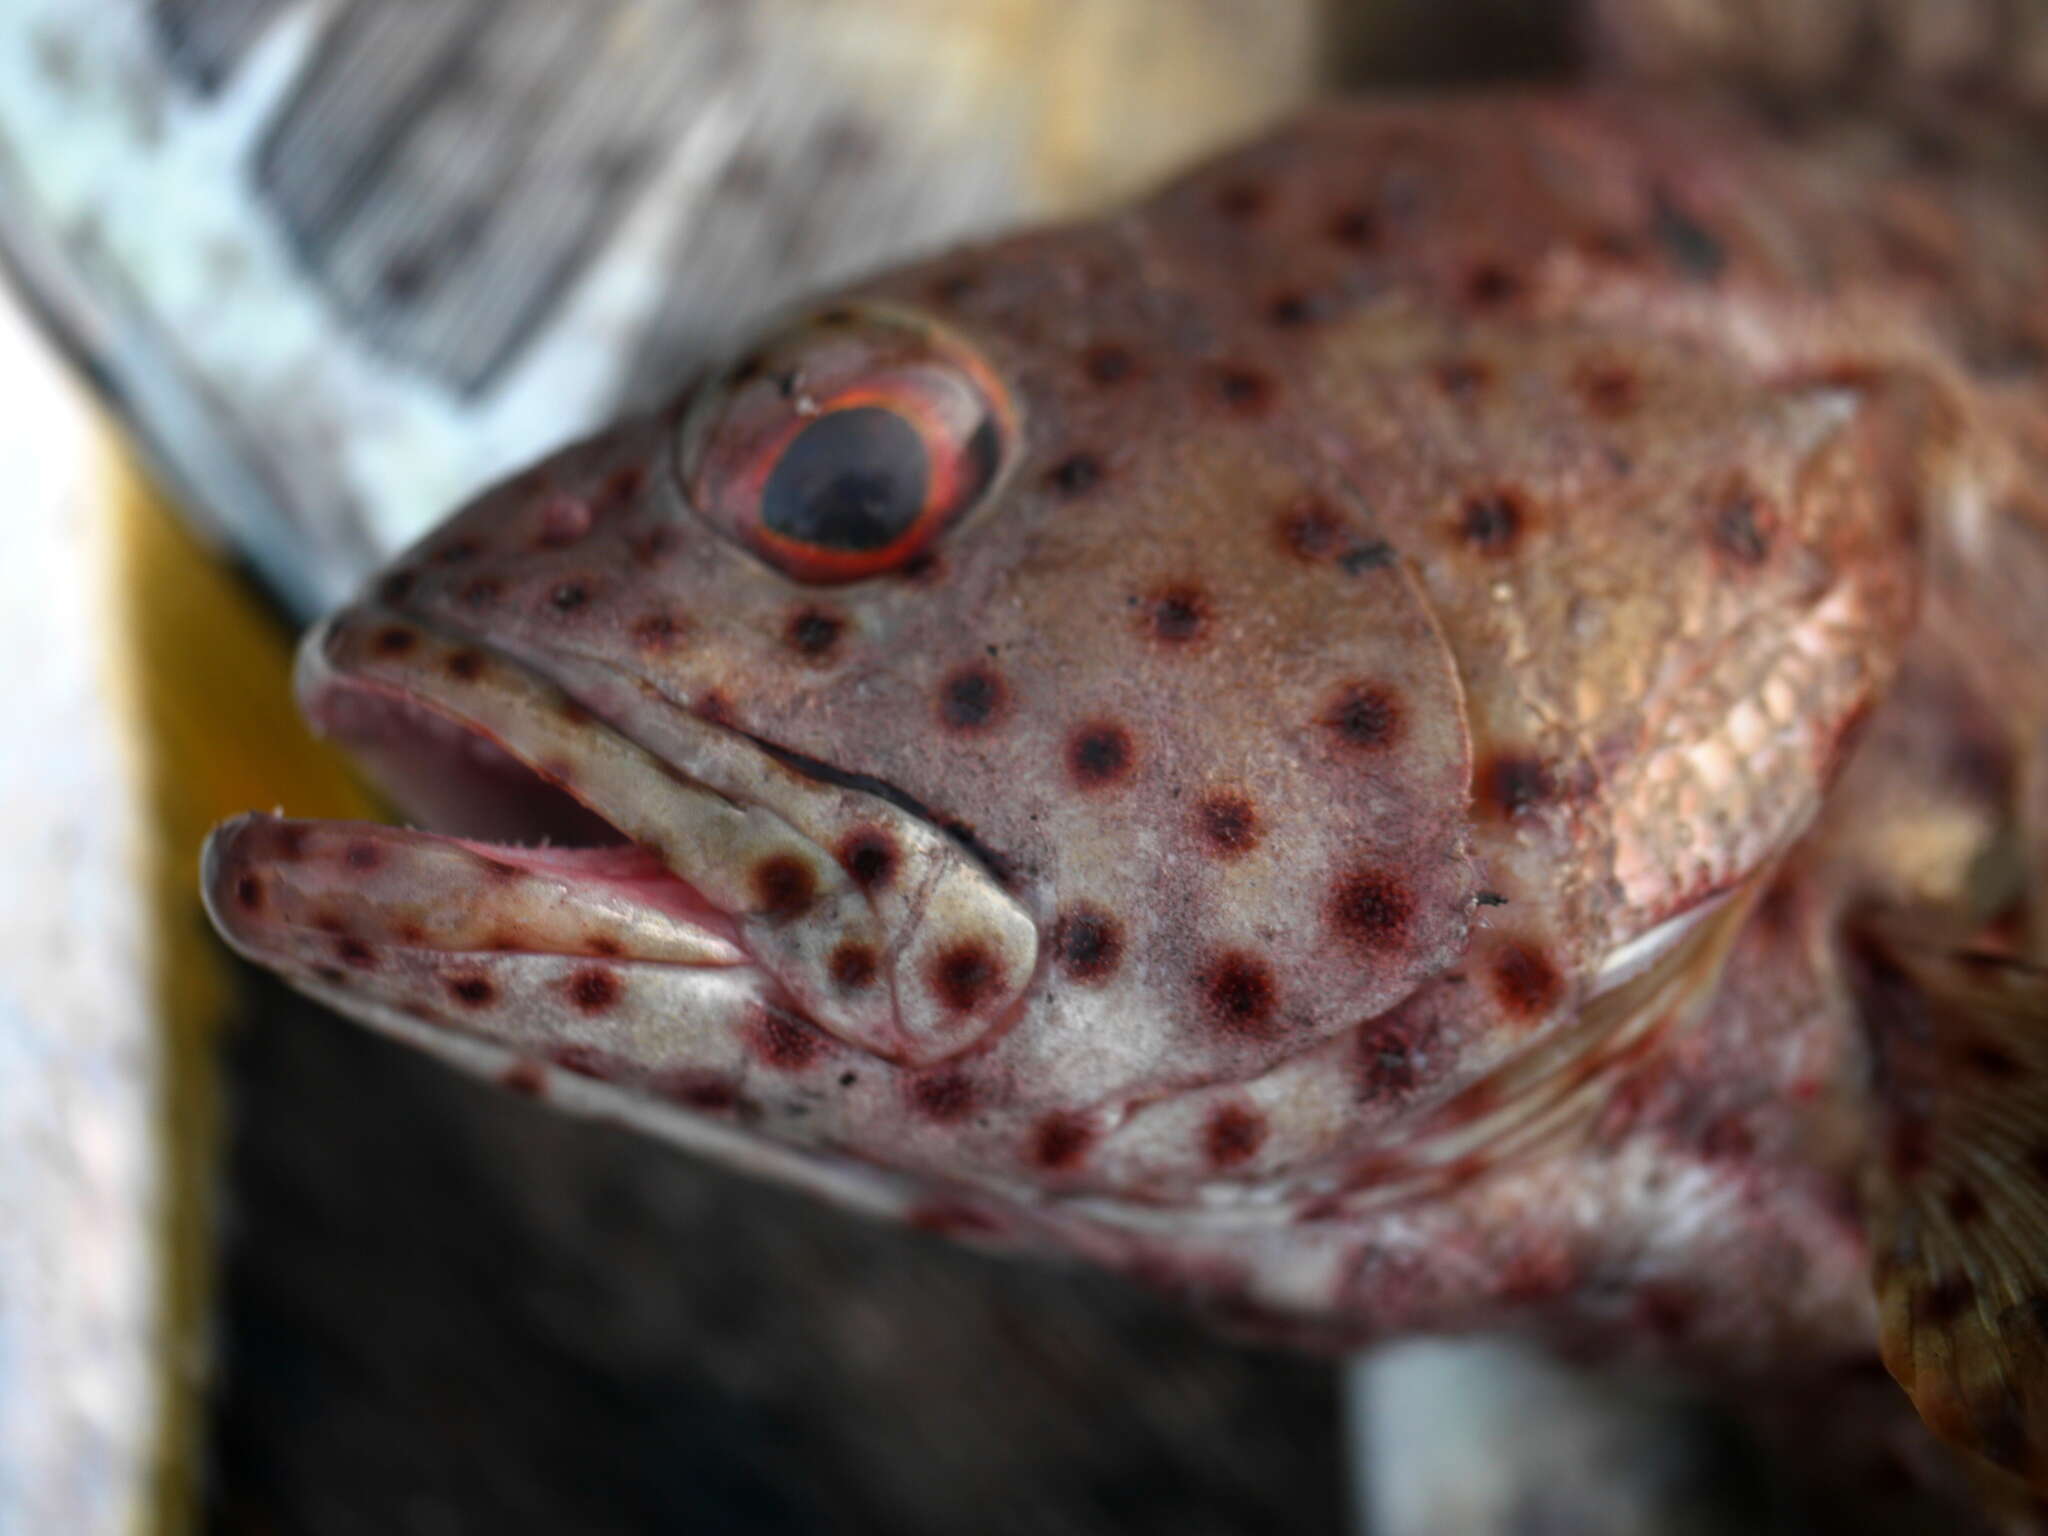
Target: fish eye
(846, 444)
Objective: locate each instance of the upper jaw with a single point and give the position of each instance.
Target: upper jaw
(720, 855)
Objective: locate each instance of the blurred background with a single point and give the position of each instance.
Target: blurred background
(290, 278)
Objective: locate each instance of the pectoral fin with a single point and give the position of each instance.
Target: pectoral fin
(1958, 1196)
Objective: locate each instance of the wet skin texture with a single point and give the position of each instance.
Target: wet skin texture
(1258, 781)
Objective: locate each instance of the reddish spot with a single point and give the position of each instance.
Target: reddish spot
(1463, 378)
(1241, 202)
(356, 953)
(1525, 981)
(1741, 524)
(249, 893)
(853, 966)
(784, 886)
(648, 548)
(482, 592)
(1246, 391)
(563, 521)
(363, 854)
(1076, 474)
(1229, 822)
(1364, 716)
(1233, 1135)
(1107, 363)
(327, 920)
(585, 1061)
(1493, 521)
(1665, 1310)
(1537, 1275)
(949, 1218)
(1061, 1140)
(1088, 943)
(1099, 754)
(291, 840)
(1609, 389)
(1370, 909)
(525, 1077)
(568, 596)
(471, 989)
(1727, 1139)
(714, 707)
(394, 640)
(593, 988)
(1176, 614)
(964, 975)
(1490, 285)
(1240, 993)
(409, 932)
(1511, 783)
(972, 699)
(945, 1097)
(696, 1089)
(869, 857)
(1357, 228)
(621, 486)
(1310, 528)
(813, 632)
(466, 665)
(785, 1043)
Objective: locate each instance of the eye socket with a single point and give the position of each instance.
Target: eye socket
(846, 445)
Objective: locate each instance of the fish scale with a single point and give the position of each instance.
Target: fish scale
(1371, 632)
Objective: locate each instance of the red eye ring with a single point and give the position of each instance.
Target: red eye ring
(841, 450)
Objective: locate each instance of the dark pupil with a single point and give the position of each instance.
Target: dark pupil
(851, 480)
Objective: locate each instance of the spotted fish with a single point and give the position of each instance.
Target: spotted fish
(1437, 726)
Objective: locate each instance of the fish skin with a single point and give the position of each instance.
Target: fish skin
(1605, 450)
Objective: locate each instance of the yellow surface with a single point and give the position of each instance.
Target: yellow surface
(208, 681)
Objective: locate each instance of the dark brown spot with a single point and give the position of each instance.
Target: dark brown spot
(813, 632)
(593, 988)
(784, 886)
(1525, 981)
(1989, 1059)
(1239, 990)
(1609, 389)
(1511, 783)
(1107, 363)
(1742, 523)
(363, 854)
(868, 855)
(291, 840)
(694, 1088)
(1945, 1300)
(525, 1077)
(1088, 943)
(650, 547)
(1370, 909)
(1241, 202)
(1463, 378)
(1665, 1310)
(249, 893)
(1965, 1206)
(1490, 285)
(466, 665)
(1076, 474)
(1060, 1141)
(1310, 528)
(853, 966)
(1177, 614)
(394, 640)
(1356, 227)
(1492, 521)
(714, 706)
(945, 1097)
(965, 975)
(568, 596)
(1293, 309)
(457, 552)
(395, 588)
(1229, 822)
(1364, 716)
(1099, 754)
(356, 953)
(620, 487)
(603, 945)
(972, 698)
(471, 989)
(785, 1043)
(1246, 391)
(657, 631)
(1233, 1135)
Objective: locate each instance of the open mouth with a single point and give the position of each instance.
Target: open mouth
(558, 834)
